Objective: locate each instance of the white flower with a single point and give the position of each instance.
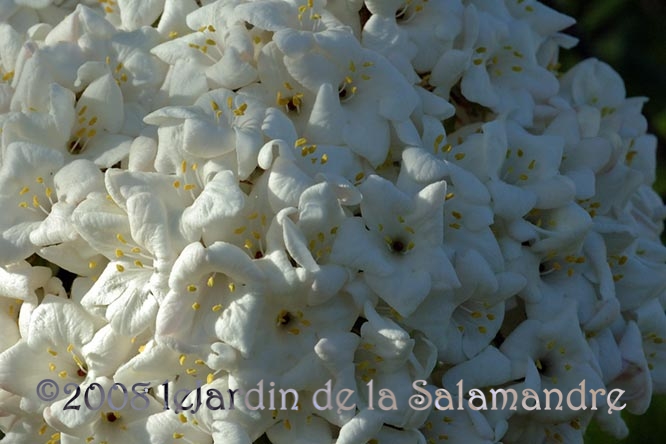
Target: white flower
(235, 425)
(224, 53)
(26, 180)
(400, 252)
(128, 60)
(388, 357)
(373, 95)
(498, 63)
(132, 14)
(477, 320)
(468, 215)
(221, 125)
(464, 425)
(651, 322)
(561, 357)
(309, 239)
(59, 352)
(28, 430)
(9, 52)
(523, 430)
(276, 15)
(300, 427)
(424, 29)
(141, 252)
(194, 311)
(127, 424)
(286, 327)
(50, 128)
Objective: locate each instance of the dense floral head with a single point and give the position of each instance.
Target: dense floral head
(359, 199)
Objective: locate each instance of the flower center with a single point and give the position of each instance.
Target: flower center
(307, 11)
(85, 131)
(292, 101)
(284, 318)
(37, 204)
(291, 322)
(397, 246)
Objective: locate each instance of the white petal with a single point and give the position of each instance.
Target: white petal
(239, 323)
(104, 100)
(137, 13)
(220, 199)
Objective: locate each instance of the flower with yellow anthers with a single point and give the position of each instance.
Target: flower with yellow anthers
(294, 168)
(308, 234)
(280, 89)
(127, 289)
(468, 213)
(26, 186)
(286, 326)
(275, 15)
(97, 124)
(9, 311)
(8, 63)
(465, 425)
(222, 127)
(218, 47)
(498, 64)
(19, 284)
(291, 425)
(524, 166)
(551, 356)
(104, 425)
(477, 308)
(132, 14)
(423, 30)
(215, 419)
(47, 353)
(605, 133)
(390, 358)
(397, 243)
(138, 241)
(32, 429)
(243, 221)
(62, 58)
(56, 236)
(138, 73)
(212, 292)
(374, 97)
(652, 324)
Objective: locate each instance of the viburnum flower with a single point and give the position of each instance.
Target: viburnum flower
(60, 354)
(362, 78)
(237, 425)
(25, 167)
(221, 125)
(397, 246)
(320, 196)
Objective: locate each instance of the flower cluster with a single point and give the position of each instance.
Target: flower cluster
(303, 191)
